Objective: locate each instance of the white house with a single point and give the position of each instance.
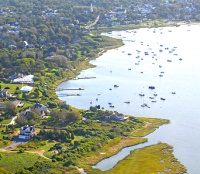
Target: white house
(116, 116)
(24, 79)
(27, 132)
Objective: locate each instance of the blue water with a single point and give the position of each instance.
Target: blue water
(181, 77)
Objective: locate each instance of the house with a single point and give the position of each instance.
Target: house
(27, 132)
(42, 108)
(17, 103)
(24, 79)
(4, 93)
(121, 11)
(116, 116)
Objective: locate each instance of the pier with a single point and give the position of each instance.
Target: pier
(60, 95)
(79, 78)
(63, 89)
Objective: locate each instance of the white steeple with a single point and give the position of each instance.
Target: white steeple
(91, 8)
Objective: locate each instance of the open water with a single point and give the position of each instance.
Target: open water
(133, 71)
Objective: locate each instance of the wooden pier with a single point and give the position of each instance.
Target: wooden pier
(62, 95)
(80, 78)
(63, 89)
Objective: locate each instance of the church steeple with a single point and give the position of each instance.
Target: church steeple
(91, 8)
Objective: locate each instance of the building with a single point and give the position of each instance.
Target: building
(42, 108)
(27, 132)
(116, 116)
(24, 79)
(26, 89)
(91, 8)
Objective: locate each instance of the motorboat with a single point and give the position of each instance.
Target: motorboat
(141, 94)
(151, 87)
(162, 98)
(116, 86)
(127, 102)
(169, 60)
(155, 94)
(173, 92)
(151, 97)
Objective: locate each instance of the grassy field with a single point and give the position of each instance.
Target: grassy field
(5, 121)
(149, 160)
(11, 86)
(13, 161)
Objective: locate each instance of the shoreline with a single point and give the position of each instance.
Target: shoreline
(101, 52)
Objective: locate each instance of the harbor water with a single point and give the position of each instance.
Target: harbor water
(166, 58)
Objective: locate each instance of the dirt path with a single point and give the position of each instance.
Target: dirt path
(39, 152)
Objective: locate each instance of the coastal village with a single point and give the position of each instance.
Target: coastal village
(44, 44)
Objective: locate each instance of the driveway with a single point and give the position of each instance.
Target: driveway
(15, 143)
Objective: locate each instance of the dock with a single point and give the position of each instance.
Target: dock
(61, 95)
(79, 78)
(63, 89)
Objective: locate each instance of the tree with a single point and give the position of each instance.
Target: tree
(33, 116)
(21, 121)
(10, 108)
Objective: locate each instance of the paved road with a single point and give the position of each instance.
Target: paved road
(15, 143)
(12, 121)
(93, 23)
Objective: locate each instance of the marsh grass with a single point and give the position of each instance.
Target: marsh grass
(149, 160)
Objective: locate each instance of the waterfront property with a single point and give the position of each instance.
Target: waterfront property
(26, 132)
(116, 116)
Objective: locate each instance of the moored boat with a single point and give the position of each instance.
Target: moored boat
(162, 98)
(151, 87)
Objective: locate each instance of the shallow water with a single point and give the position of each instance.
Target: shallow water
(181, 77)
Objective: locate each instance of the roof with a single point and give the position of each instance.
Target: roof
(26, 88)
(24, 79)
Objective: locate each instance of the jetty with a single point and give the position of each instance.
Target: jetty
(63, 89)
(60, 95)
(79, 78)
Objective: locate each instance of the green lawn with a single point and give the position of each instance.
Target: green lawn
(11, 86)
(5, 121)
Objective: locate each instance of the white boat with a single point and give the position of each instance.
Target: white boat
(127, 102)
(141, 94)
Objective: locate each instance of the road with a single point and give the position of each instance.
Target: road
(12, 121)
(93, 23)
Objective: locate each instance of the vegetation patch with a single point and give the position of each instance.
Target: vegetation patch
(152, 159)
